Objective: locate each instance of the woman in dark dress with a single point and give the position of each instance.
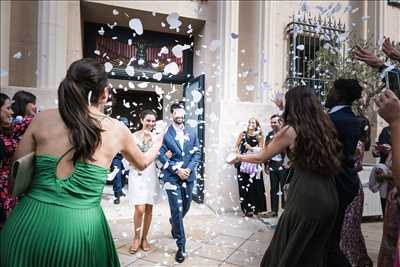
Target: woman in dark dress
(303, 230)
(250, 181)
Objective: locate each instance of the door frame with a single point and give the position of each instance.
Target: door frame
(198, 196)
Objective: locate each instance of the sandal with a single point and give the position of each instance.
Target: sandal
(133, 250)
(147, 248)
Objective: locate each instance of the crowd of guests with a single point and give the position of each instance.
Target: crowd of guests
(321, 222)
(312, 153)
(15, 116)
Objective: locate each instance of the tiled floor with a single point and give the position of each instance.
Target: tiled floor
(223, 240)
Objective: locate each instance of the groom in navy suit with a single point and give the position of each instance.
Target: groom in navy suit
(179, 173)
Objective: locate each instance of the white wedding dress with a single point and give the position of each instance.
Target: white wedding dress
(143, 186)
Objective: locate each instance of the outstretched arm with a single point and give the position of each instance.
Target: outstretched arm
(281, 141)
(132, 153)
(389, 110)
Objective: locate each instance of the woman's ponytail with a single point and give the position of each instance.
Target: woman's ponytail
(85, 82)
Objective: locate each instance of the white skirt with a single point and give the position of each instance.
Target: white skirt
(143, 186)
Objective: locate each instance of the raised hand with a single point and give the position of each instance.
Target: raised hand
(390, 50)
(368, 57)
(389, 106)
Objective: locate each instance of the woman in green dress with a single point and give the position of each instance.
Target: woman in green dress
(59, 222)
(303, 230)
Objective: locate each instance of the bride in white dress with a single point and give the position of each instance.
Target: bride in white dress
(143, 186)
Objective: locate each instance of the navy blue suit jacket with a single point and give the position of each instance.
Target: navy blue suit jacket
(350, 130)
(187, 157)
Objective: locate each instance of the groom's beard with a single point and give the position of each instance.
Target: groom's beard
(178, 121)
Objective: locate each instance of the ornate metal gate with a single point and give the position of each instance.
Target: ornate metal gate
(306, 35)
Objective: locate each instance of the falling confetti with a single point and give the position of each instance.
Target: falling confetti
(101, 31)
(17, 55)
(173, 21)
(250, 87)
(171, 68)
(164, 50)
(177, 50)
(196, 96)
(115, 12)
(136, 25)
(131, 85)
(365, 18)
(141, 61)
(130, 70)
(108, 67)
(300, 47)
(143, 85)
(157, 76)
(354, 10)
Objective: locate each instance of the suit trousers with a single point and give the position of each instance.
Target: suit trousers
(277, 181)
(179, 198)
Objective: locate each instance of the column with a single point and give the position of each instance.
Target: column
(264, 48)
(5, 42)
(52, 43)
(228, 13)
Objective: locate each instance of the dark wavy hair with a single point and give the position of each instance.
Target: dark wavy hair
(21, 99)
(146, 112)
(85, 79)
(317, 147)
(3, 98)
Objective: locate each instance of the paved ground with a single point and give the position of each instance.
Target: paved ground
(223, 240)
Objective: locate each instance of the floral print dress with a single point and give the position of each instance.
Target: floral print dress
(10, 141)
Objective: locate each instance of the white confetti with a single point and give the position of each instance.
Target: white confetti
(164, 50)
(365, 18)
(143, 85)
(17, 55)
(136, 25)
(196, 95)
(354, 10)
(157, 76)
(171, 68)
(108, 67)
(159, 90)
(115, 12)
(250, 87)
(141, 61)
(101, 31)
(126, 104)
(131, 85)
(129, 41)
(173, 21)
(130, 70)
(163, 24)
(112, 26)
(300, 47)
(177, 50)
(97, 52)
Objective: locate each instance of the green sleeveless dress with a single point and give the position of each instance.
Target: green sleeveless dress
(59, 222)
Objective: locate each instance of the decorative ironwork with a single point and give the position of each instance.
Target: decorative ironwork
(306, 35)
